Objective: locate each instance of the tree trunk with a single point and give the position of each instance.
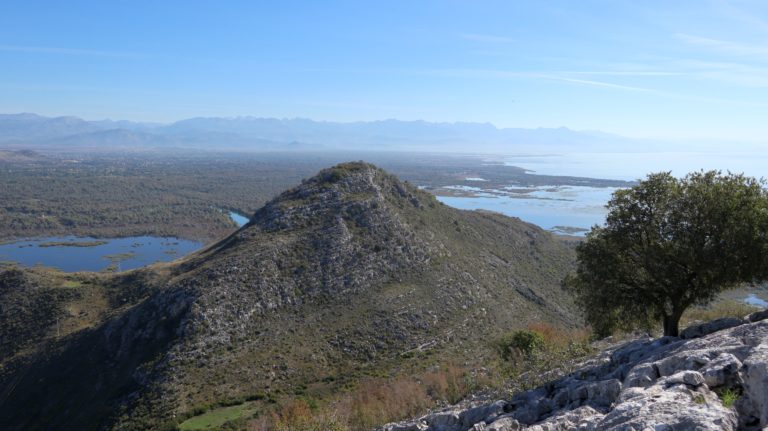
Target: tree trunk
(672, 324)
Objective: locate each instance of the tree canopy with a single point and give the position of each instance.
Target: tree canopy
(670, 243)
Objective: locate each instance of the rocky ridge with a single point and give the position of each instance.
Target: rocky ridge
(649, 384)
(335, 278)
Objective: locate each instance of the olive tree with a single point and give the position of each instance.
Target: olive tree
(670, 243)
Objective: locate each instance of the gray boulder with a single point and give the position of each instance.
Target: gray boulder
(582, 418)
(406, 426)
(678, 408)
(642, 376)
(757, 316)
(445, 421)
(504, 424)
(755, 373)
(691, 378)
(482, 413)
(722, 370)
(707, 328)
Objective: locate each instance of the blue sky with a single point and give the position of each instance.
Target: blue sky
(647, 68)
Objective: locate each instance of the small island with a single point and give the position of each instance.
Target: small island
(72, 244)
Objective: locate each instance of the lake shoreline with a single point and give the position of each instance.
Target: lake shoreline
(72, 253)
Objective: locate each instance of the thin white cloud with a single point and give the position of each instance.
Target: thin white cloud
(623, 73)
(64, 51)
(723, 46)
(352, 104)
(486, 38)
(599, 83)
(552, 76)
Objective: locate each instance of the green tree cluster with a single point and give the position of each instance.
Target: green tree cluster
(669, 243)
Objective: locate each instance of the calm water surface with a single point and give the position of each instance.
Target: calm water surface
(752, 299)
(584, 207)
(120, 253)
(631, 166)
(552, 208)
(123, 253)
(238, 218)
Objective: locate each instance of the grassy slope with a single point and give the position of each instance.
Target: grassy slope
(217, 417)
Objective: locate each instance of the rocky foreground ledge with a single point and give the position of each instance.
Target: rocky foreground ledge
(664, 384)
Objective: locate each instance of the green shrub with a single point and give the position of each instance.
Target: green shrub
(728, 397)
(523, 342)
(199, 410)
(541, 353)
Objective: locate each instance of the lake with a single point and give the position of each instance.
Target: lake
(71, 254)
(753, 299)
(92, 254)
(631, 166)
(562, 209)
(553, 208)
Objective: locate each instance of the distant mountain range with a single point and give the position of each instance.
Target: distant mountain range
(258, 134)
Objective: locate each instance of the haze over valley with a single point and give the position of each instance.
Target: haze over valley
(384, 216)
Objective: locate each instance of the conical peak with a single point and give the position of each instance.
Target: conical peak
(351, 178)
(358, 171)
(353, 187)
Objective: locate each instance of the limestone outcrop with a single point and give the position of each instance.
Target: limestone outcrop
(715, 377)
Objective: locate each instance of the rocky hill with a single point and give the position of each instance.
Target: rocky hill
(333, 279)
(714, 377)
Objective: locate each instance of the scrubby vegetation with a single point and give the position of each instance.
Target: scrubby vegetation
(164, 194)
(42, 305)
(111, 196)
(373, 401)
(523, 342)
(533, 355)
(539, 353)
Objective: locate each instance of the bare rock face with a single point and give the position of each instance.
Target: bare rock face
(696, 331)
(663, 384)
(755, 375)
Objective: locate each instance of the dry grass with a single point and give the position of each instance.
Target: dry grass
(376, 401)
(298, 415)
(556, 337)
(717, 310)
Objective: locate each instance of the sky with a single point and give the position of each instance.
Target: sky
(646, 68)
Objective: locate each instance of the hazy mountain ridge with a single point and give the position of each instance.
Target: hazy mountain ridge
(255, 133)
(349, 269)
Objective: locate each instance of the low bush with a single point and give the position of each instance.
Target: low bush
(728, 396)
(523, 342)
(540, 353)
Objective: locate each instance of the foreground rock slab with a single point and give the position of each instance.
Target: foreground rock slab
(715, 378)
